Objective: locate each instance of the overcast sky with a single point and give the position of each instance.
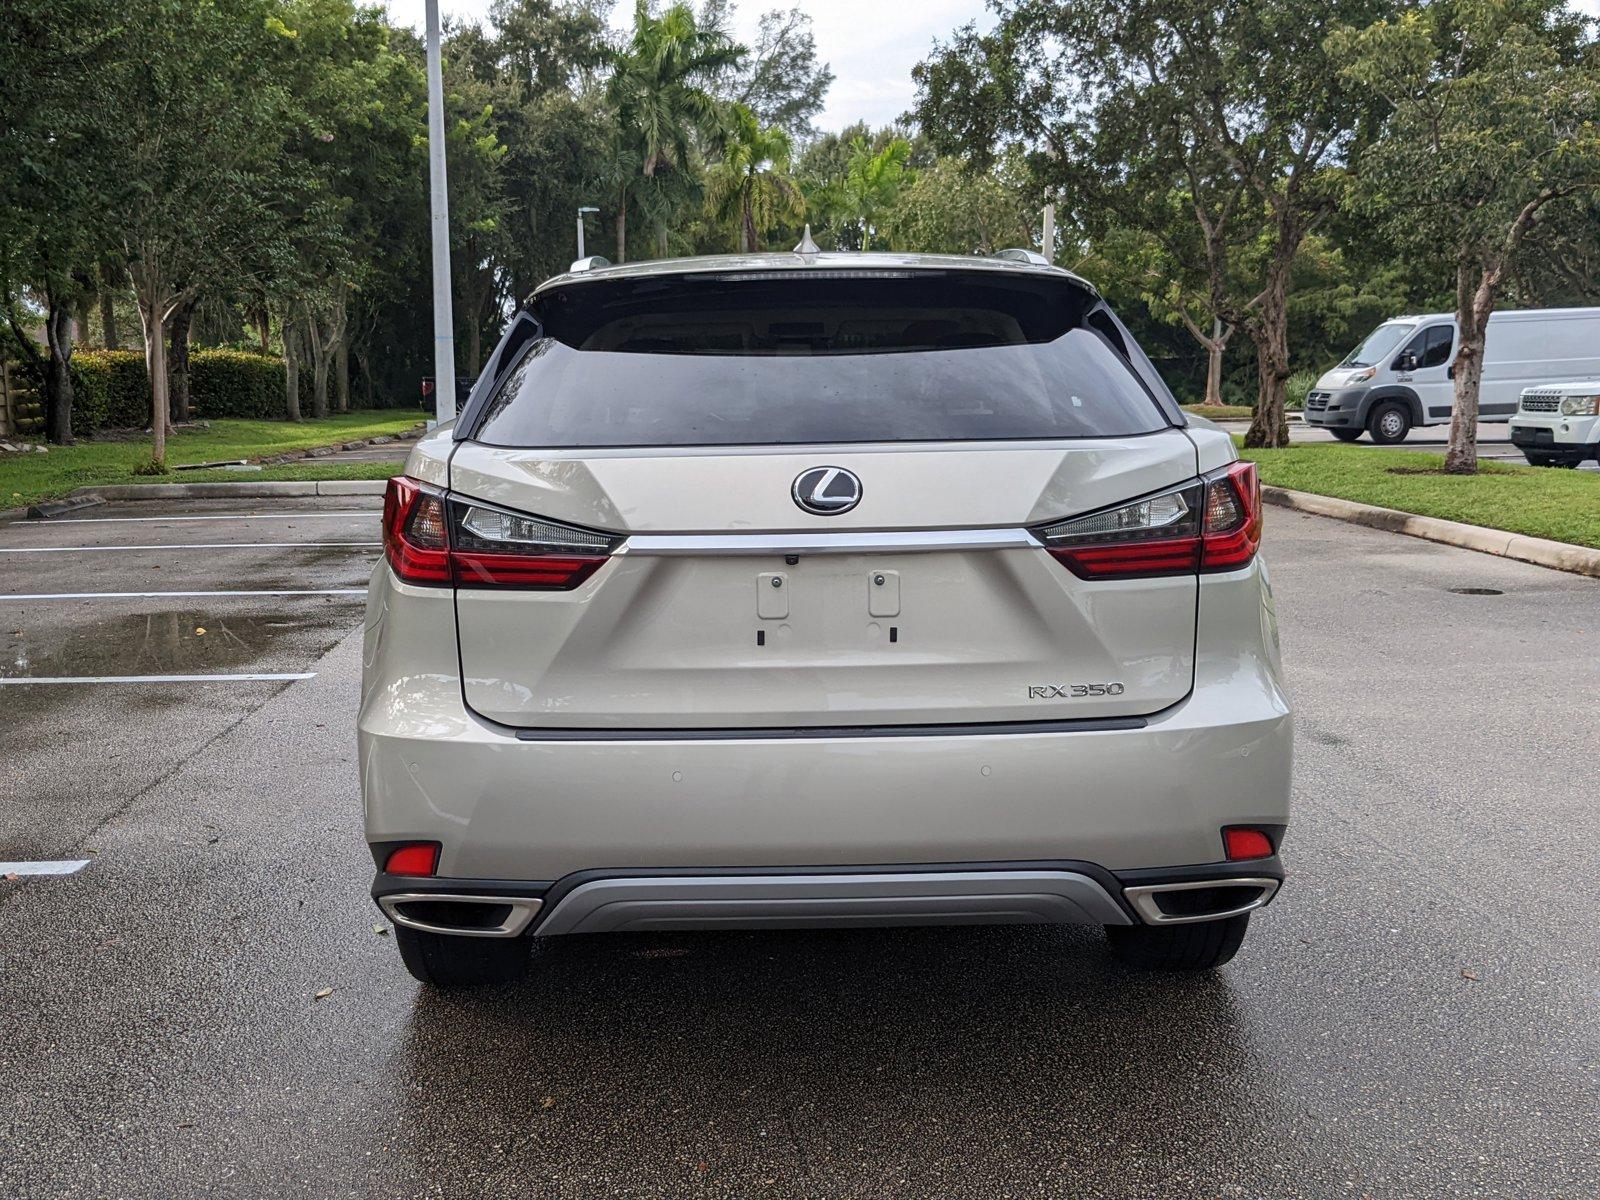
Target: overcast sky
(871, 44)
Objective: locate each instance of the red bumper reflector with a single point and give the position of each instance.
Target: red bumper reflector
(419, 859)
(1246, 843)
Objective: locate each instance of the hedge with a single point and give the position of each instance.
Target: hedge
(113, 389)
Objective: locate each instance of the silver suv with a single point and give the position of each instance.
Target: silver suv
(821, 589)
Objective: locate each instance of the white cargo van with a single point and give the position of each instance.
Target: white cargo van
(1403, 375)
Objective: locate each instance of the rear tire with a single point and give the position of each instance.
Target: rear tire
(445, 961)
(1389, 423)
(1201, 946)
(1345, 435)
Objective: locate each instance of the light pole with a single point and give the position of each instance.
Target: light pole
(444, 333)
(586, 208)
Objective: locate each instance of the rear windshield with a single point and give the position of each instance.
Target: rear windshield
(774, 359)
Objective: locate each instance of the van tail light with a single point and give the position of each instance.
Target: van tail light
(1210, 524)
(434, 539)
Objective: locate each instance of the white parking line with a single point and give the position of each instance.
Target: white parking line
(26, 680)
(182, 595)
(183, 546)
(278, 516)
(60, 866)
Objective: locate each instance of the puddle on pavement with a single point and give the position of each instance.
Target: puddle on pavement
(182, 642)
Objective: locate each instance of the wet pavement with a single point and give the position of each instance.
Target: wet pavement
(1414, 1017)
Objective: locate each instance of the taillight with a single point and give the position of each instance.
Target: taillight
(1233, 517)
(1211, 524)
(494, 547)
(435, 539)
(414, 535)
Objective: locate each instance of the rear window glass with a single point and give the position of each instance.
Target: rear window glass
(776, 359)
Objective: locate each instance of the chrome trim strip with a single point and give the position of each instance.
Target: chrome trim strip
(1143, 899)
(523, 910)
(902, 541)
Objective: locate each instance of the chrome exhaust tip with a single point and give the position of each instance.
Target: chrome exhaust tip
(461, 916)
(1199, 899)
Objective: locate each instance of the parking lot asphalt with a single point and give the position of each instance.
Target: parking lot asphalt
(1415, 1016)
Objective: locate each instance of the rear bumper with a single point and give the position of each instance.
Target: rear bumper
(1123, 799)
(1070, 893)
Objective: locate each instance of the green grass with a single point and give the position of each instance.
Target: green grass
(1220, 412)
(28, 478)
(1539, 501)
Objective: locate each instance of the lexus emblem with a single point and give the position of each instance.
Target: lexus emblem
(826, 491)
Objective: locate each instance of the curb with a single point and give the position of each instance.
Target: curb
(250, 491)
(1541, 552)
(56, 508)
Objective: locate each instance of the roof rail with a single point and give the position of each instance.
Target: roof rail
(1025, 256)
(593, 263)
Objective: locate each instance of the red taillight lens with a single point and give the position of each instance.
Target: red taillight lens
(439, 540)
(1233, 518)
(1246, 843)
(1212, 524)
(414, 536)
(421, 858)
(498, 548)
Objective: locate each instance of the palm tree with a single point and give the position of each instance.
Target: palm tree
(751, 186)
(657, 91)
(872, 181)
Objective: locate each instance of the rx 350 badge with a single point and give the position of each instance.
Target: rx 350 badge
(1072, 691)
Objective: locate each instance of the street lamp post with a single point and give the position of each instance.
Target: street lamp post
(587, 208)
(444, 335)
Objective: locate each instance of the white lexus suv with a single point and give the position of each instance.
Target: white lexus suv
(821, 589)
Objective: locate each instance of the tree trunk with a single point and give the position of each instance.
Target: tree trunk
(263, 324)
(622, 227)
(341, 376)
(1269, 330)
(155, 356)
(291, 372)
(108, 319)
(178, 359)
(80, 324)
(1215, 348)
(474, 340)
(1476, 293)
(748, 240)
(156, 302)
(58, 395)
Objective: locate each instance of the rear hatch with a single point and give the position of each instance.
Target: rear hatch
(794, 501)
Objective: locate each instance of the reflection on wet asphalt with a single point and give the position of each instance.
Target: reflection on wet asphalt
(183, 641)
(1414, 1017)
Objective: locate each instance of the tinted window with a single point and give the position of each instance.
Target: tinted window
(761, 360)
(1431, 346)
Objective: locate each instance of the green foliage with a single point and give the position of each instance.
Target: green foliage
(114, 388)
(949, 208)
(750, 188)
(1296, 390)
